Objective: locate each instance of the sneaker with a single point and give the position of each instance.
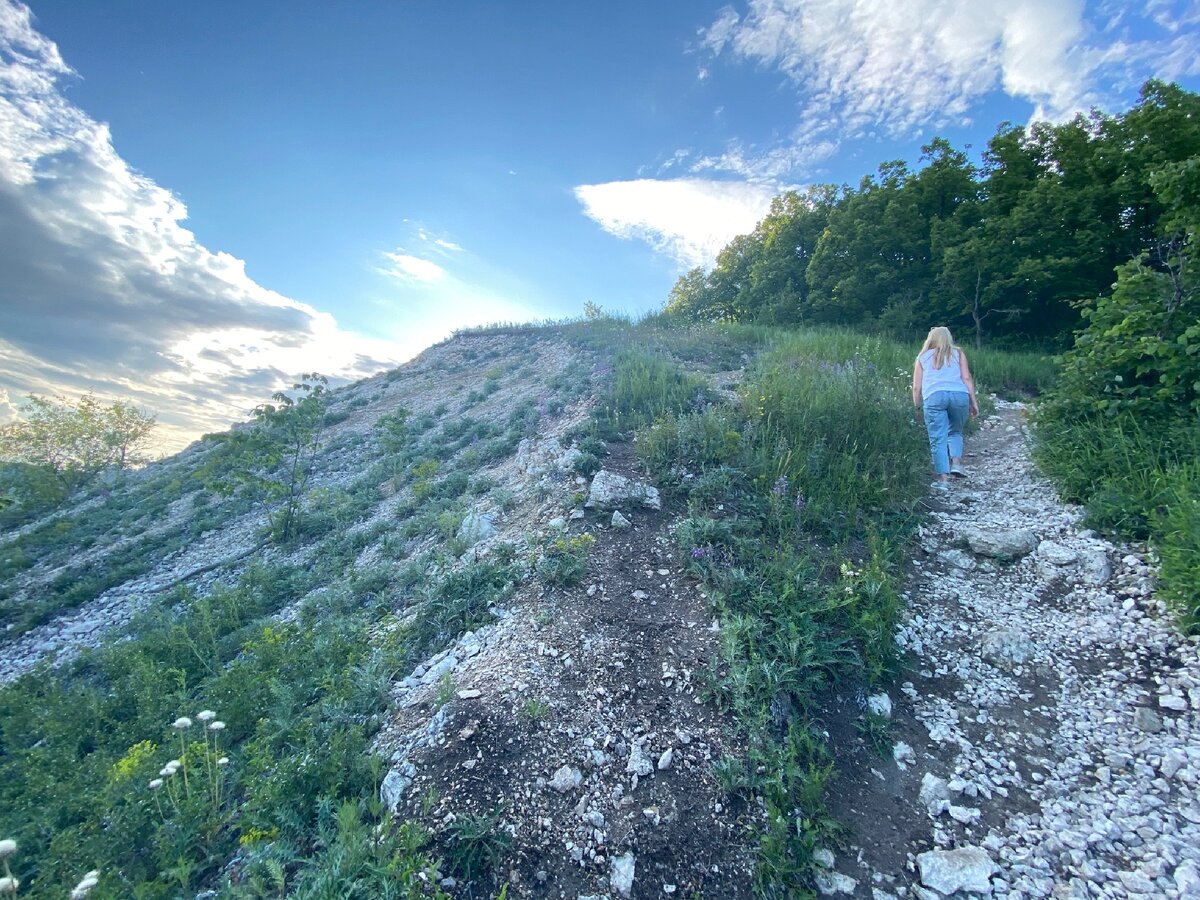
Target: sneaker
(959, 471)
(941, 485)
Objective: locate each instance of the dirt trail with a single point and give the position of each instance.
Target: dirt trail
(1045, 736)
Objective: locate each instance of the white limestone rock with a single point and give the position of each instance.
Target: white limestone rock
(610, 490)
(964, 869)
(1000, 544)
(621, 878)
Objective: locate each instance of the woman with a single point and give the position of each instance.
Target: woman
(943, 386)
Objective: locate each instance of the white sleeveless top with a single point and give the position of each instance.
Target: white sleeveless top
(947, 378)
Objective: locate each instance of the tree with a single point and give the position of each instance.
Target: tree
(273, 461)
(74, 441)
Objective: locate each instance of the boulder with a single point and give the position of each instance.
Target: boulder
(395, 783)
(1004, 545)
(964, 869)
(476, 527)
(610, 490)
(1007, 648)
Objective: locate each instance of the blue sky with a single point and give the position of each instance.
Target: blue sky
(200, 201)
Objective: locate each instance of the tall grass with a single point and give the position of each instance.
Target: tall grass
(800, 497)
(1137, 480)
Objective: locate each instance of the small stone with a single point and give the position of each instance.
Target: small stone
(880, 704)
(963, 814)
(566, 779)
(621, 878)
(824, 857)
(935, 794)
(903, 754)
(664, 761)
(829, 883)
(1007, 648)
(619, 522)
(1173, 702)
(469, 694)
(1147, 720)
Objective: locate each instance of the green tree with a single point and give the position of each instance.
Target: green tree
(73, 441)
(272, 462)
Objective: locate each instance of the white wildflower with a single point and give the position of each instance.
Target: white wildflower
(89, 881)
(206, 715)
(155, 784)
(217, 726)
(223, 761)
(182, 723)
(7, 848)
(9, 885)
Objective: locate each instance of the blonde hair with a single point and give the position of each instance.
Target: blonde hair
(941, 343)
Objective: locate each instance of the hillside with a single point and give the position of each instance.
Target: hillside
(597, 610)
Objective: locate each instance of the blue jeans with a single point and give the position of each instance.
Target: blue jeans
(945, 415)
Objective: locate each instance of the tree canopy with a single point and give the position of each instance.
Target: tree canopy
(1006, 249)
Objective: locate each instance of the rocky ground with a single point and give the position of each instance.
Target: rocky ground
(1045, 738)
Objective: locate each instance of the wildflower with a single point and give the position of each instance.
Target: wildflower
(155, 784)
(800, 501)
(182, 723)
(89, 881)
(223, 761)
(216, 726)
(206, 715)
(7, 848)
(780, 487)
(9, 885)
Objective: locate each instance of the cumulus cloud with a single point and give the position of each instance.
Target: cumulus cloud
(688, 219)
(865, 69)
(106, 290)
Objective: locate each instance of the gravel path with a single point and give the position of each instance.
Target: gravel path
(1049, 737)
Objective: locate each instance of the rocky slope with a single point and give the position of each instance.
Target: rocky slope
(1044, 740)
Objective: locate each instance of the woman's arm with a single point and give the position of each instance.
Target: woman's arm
(918, 375)
(965, 370)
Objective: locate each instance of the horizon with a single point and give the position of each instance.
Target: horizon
(202, 204)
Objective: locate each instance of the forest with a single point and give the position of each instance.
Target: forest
(1004, 252)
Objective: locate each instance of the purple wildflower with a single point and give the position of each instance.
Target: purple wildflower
(780, 488)
(800, 501)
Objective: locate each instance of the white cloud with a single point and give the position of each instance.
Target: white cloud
(895, 69)
(412, 268)
(688, 219)
(105, 290)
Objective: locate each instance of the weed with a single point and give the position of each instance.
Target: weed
(563, 562)
(876, 730)
(535, 709)
(475, 844)
(447, 690)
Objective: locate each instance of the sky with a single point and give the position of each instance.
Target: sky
(201, 202)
